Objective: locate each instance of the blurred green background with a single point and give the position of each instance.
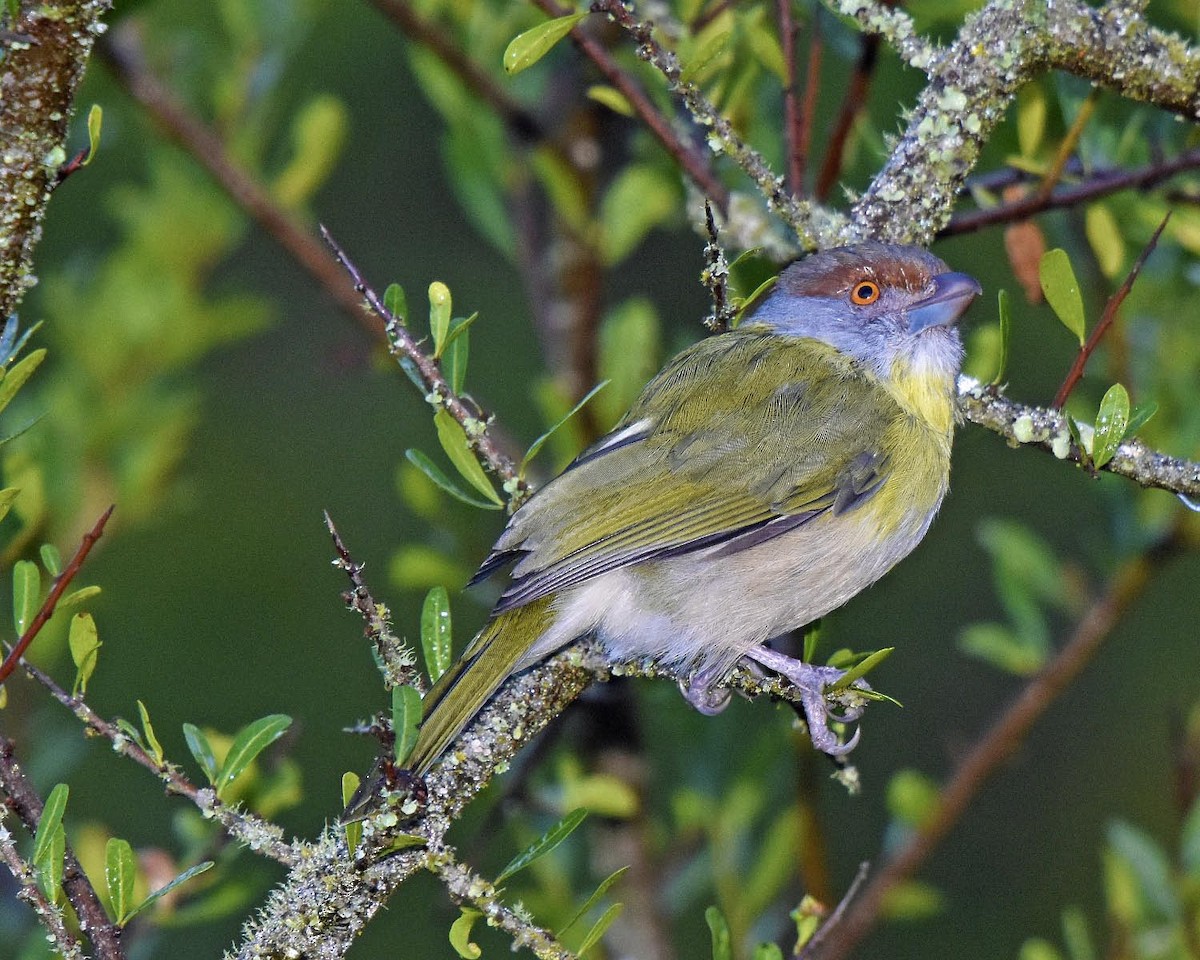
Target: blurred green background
(220, 604)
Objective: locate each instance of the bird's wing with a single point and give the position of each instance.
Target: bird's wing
(795, 432)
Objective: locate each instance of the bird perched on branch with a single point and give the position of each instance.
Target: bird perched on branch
(761, 480)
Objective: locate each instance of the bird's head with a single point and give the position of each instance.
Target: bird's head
(894, 308)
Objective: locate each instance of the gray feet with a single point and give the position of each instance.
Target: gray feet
(702, 692)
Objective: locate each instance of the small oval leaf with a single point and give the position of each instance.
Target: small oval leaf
(1112, 423)
(84, 642)
(27, 590)
(155, 747)
(249, 742)
(460, 934)
(406, 719)
(50, 820)
(120, 873)
(529, 47)
(439, 315)
(202, 750)
(439, 479)
(1062, 290)
(435, 632)
(454, 441)
(164, 890)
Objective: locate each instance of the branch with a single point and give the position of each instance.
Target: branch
(815, 226)
(257, 834)
(42, 60)
(690, 158)
(61, 582)
(1047, 430)
(996, 746)
(23, 800)
(911, 198)
(437, 390)
(1106, 319)
(123, 54)
(49, 914)
(1099, 184)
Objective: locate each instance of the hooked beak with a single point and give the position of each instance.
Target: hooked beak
(952, 294)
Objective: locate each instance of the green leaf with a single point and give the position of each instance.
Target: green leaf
(120, 873)
(406, 719)
(84, 643)
(443, 482)
(7, 496)
(594, 899)
(455, 352)
(439, 315)
(460, 934)
(912, 797)
(95, 121)
(51, 559)
(1151, 869)
(1139, 416)
(1062, 290)
(454, 441)
(543, 844)
(1112, 424)
(435, 632)
(76, 597)
(1031, 119)
(403, 841)
(767, 951)
(395, 302)
(156, 749)
(1076, 935)
(1005, 336)
(27, 592)
(718, 926)
(249, 742)
(15, 378)
(1036, 948)
(202, 750)
(996, 644)
(640, 198)
(162, 891)
(913, 900)
(50, 821)
(529, 47)
(350, 784)
(1104, 237)
(707, 53)
(536, 446)
(861, 669)
(612, 98)
(51, 864)
(599, 928)
(318, 133)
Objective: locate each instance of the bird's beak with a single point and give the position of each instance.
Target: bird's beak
(952, 294)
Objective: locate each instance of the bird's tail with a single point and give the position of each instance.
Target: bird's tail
(461, 692)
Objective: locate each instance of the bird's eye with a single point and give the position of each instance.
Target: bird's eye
(864, 293)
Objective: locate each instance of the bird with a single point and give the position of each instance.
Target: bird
(762, 479)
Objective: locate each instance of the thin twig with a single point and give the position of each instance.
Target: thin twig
(1047, 430)
(813, 947)
(1100, 184)
(1066, 149)
(808, 109)
(791, 105)
(396, 660)
(121, 51)
(997, 745)
(853, 103)
(716, 276)
(468, 888)
(691, 158)
(814, 226)
(1106, 319)
(437, 390)
(254, 832)
(49, 914)
(24, 801)
(61, 582)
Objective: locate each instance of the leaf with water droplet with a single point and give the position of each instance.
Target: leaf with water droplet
(1112, 423)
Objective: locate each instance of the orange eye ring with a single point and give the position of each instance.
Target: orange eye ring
(864, 293)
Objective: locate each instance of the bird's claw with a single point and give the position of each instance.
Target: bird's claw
(702, 692)
(812, 681)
